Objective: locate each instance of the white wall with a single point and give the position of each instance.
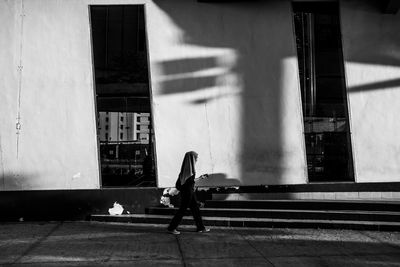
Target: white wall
(224, 83)
(57, 147)
(371, 44)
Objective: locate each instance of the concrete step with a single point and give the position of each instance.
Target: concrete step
(345, 215)
(393, 206)
(361, 215)
(253, 222)
(331, 195)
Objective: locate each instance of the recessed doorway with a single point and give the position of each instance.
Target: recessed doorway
(124, 118)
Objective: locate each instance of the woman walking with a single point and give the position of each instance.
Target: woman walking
(185, 184)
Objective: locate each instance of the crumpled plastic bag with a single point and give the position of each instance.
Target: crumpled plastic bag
(117, 209)
(167, 193)
(173, 191)
(166, 201)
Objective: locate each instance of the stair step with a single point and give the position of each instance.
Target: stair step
(357, 215)
(373, 195)
(306, 205)
(348, 215)
(254, 222)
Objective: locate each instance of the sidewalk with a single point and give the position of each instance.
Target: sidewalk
(102, 244)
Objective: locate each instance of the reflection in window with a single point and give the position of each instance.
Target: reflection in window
(323, 91)
(122, 89)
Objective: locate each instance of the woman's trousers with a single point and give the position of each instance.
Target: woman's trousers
(188, 200)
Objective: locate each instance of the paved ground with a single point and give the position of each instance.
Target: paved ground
(102, 244)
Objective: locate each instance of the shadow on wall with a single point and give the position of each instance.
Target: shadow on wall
(219, 179)
(17, 181)
(182, 78)
(260, 45)
(376, 86)
(376, 44)
(185, 67)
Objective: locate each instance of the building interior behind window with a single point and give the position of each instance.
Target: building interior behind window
(323, 92)
(123, 98)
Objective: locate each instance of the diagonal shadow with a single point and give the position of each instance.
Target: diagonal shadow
(384, 52)
(376, 86)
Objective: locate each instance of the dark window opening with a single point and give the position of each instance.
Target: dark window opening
(323, 91)
(122, 92)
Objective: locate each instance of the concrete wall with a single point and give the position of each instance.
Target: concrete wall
(56, 146)
(224, 82)
(371, 44)
(225, 86)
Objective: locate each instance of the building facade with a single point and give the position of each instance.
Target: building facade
(123, 127)
(267, 92)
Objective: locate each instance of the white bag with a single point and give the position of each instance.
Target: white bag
(116, 210)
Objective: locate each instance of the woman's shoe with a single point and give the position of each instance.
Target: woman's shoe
(205, 230)
(174, 232)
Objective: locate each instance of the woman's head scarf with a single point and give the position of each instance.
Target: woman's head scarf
(187, 169)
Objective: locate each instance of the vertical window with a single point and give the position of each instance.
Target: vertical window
(323, 91)
(122, 90)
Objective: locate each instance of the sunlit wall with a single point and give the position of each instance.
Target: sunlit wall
(225, 84)
(371, 44)
(224, 81)
(46, 81)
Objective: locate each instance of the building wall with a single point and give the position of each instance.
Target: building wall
(225, 84)
(224, 81)
(56, 146)
(225, 87)
(371, 45)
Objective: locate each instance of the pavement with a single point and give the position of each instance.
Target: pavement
(111, 244)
